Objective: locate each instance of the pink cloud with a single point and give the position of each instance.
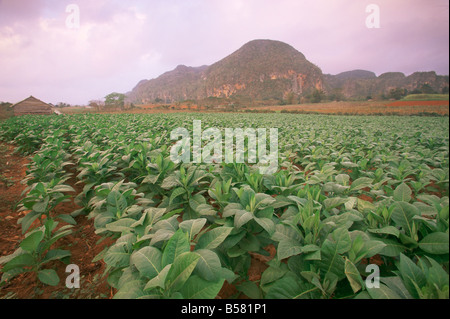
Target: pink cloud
(121, 42)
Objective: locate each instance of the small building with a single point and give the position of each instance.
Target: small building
(31, 105)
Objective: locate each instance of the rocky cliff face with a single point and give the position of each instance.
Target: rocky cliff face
(261, 69)
(271, 70)
(176, 85)
(417, 79)
(360, 84)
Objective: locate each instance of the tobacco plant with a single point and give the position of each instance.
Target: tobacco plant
(35, 252)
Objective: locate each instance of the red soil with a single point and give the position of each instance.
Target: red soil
(418, 103)
(81, 243)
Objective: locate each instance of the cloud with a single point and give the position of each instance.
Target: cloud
(43, 52)
(119, 43)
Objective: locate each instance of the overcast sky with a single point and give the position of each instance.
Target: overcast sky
(44, 53)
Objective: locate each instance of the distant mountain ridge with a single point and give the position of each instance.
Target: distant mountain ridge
(270, 70)
(360, 84)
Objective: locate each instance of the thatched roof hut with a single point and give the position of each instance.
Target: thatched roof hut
(31, 105)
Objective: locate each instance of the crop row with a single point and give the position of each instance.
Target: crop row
(348, 190)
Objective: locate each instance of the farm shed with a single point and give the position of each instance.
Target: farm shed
(31, 105)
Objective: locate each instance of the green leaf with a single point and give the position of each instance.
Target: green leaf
(383, 292)
(161, 235)
(205, 210)
(48, 277)
(342, 179)
(341, 237)
(312, 252)
(289, 287)
(396, 284)
(403, 214)
(180, 271)
(241, 218)
(213, 238)
(402, 193)
(117, 256)
(267, 224)
(334, 202)
(55, 254)
(435, 243)
(117, 200)
(178, 244)
(310, 249)
(208, 265)
(67, 218)
(23, 260)
(353, 276)
(31, 242)
(100, 255)
(152, 179)
(388, 230)
(361, 183)
(234, 239)
(271, 275)
(363, 295)
(393, 248)
(154, 214)
(61, 232)
(231, 209)
(332, 261)
(159, 280)
(250, 242)
(246, 195)
(193, 226)
(130, 290)
(235, 251)
(127, 274)
(148, 261)
(283, 232)
(373, 247)
(349, 164)
(363, 205)
(7, 258)
(250, 289)
(28, 220)
(288, 248)
(41, 207)
(175, 193)
(351, 202)
(412, 275)
(63, 189)
(332, 248)
(265, 212)
(437, 275)
(198, 288)
(169, 182)
(120, 225)
(195, 201)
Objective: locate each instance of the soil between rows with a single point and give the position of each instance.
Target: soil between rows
(82, 243)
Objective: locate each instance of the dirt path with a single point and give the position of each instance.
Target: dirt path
(82, 242)
(12, 171)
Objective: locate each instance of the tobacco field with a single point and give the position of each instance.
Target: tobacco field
(353, 196)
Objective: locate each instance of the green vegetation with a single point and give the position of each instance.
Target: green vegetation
(397, 93)
(426, 97)
(115, 101)
(350, 191)
(46, 189)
